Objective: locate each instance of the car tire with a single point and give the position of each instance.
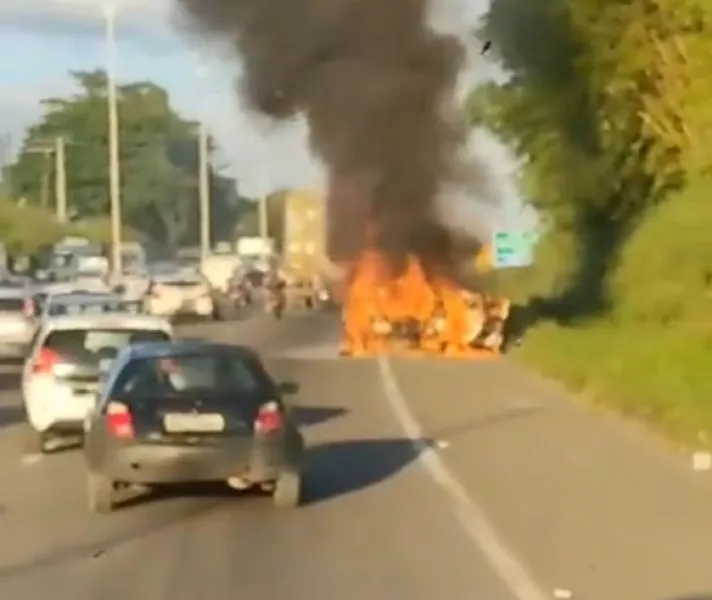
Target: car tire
(34, 440)
(287, 490)
(100, 493)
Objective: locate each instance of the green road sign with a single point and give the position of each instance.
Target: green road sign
(512, 249)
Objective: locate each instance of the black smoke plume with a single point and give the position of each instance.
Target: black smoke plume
(372, 79)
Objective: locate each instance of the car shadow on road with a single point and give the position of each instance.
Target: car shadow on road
(340, 468)
(307, 416)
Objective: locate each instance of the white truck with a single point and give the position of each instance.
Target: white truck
(250, 248)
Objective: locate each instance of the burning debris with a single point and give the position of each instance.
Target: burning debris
(374, 82)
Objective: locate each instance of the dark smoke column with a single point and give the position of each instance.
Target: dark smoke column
(372, 80)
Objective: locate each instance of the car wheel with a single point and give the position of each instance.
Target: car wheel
(287, 490)
(34, 440)
(100, 493)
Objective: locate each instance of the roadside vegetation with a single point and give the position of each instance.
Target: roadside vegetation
(611, 105)
(158, 159)
(26, 229)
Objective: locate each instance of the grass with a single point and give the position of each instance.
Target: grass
(660, 375)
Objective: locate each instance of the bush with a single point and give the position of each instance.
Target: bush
(650, 357)
(26, 229)
(660, 375)
(664, 274)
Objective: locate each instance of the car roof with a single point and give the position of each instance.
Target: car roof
(176, 348)
(83, 297)
(112, 320)
(179, 274)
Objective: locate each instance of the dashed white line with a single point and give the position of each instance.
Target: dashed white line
(509, 568)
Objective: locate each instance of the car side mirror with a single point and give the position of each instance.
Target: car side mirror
(288, 388)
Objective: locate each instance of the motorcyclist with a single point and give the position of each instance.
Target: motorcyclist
(276, 287)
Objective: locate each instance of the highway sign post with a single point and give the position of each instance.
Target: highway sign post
(511, 249)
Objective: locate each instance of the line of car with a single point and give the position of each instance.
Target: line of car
(150, 409)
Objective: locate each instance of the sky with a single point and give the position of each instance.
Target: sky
(49, 38)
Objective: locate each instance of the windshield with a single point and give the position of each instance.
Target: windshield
(219, 373)
(91, 273)
(63, 260)
(103, 342)
(110, 306)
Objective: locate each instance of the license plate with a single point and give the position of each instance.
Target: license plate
(193, 423)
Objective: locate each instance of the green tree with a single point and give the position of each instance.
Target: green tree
(608, 102)
(158, 158)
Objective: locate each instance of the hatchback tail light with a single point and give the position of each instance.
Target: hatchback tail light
(119, 421)
(269, 418)
(45, 361)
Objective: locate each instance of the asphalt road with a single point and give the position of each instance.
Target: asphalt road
(425, 480)
(373, 525)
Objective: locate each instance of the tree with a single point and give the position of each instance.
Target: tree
(26, 229)
(158, 158)
(607, 104)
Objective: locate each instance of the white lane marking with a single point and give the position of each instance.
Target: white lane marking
(509, 568)
(30, 459)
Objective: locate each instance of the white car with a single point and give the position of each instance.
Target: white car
(185, 293)
(62, 374)
(16, 321)
(76, 303)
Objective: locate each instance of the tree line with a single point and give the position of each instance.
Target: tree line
(158, 161)
(609, 103)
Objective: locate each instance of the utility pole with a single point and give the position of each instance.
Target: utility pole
(113, 158)
(60, 180)
(204, 190)
(48, 148)
(263, 217)
(46, 155)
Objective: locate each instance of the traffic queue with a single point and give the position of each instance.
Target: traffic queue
(106, 369)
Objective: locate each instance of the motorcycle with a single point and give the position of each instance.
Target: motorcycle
(276, 303)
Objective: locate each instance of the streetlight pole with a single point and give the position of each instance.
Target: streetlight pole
(60, 180)
(114, 164)
(47, 148)
(263, 218)
(204, 190)
(202, 73)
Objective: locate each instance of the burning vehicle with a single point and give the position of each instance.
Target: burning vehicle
(415, 314)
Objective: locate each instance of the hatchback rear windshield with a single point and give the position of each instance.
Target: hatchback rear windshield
(58, 309)
(11, 304)
(222, 373)
(104, 342)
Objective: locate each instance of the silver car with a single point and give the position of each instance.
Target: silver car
(17, 321)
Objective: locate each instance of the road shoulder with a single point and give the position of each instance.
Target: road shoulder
(587, 503)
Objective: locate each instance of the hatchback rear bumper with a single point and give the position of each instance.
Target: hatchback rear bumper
(147, 463)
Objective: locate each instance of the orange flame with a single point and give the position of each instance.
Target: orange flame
(410, 311)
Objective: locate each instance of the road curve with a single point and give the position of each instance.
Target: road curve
(373, 525)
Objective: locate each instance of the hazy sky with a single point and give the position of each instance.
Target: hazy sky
(48, 38)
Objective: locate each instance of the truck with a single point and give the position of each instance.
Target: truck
(303, 258)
